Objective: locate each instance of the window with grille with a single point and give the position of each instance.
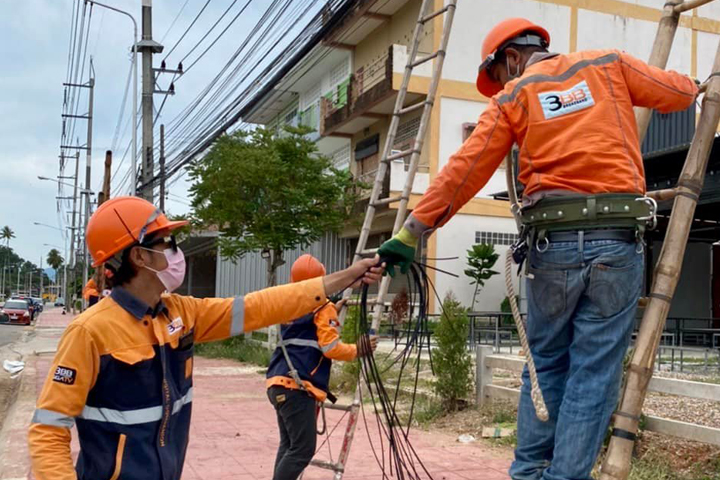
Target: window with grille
(341, 158)
(407, 130)
(495, 238)
(310, 97)
(339, 73)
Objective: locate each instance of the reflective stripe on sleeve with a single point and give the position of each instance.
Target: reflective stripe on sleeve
(299, 342)
(330, 346)
(54, 419)
(133, 417)
(238, 316)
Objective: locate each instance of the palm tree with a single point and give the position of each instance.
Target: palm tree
(55, 261)
(6, 234)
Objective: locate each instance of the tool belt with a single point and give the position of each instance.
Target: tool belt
(589, 212)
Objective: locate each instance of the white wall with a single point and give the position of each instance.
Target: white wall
(603, 31)
(453, 240)
(474, 19)
(453, 113)
(398, 177)
(707, 46)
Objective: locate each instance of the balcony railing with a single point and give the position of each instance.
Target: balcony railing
(368, 86)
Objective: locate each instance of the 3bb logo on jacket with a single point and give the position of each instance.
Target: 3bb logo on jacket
(555, 104)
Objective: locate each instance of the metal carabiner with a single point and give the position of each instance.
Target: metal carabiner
(651, 219)
(547, 245)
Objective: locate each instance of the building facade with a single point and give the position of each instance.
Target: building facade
(344, 86)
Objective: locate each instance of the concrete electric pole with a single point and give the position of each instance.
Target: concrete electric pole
(162, 168)
(147, 46)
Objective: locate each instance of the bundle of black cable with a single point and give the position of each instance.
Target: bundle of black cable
(402, 460)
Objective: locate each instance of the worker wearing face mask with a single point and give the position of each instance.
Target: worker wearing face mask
(123, 369)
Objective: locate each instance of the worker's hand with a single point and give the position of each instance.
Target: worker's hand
(366, 344)
(400, 251)
(367, 270)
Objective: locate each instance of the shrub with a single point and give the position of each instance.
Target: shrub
(453, 364)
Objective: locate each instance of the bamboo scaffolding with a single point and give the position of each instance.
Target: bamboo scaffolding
(659, 56)
(667, 274)
(689, 5)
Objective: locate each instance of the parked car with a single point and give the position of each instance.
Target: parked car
(18, 311)
(33, 306)
(59, 302)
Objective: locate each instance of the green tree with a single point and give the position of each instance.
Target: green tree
(452, 363)
(55, 261)
(269, 192)
(6, 234)
(481, 259)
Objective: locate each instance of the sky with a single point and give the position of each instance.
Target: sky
(34, 47)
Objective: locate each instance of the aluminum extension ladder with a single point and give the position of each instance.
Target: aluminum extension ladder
(384, 171)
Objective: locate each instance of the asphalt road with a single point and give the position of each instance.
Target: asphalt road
(10, 333)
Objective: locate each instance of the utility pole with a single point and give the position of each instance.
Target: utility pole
(147, 46)
(41, 279)
(88, 164)
(162, 168)
(73, 232)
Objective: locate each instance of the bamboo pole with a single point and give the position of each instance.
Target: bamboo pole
(667, 274)
(689, 5)
(663, 195)
(659, 57)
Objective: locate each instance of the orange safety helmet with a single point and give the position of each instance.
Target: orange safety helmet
(512, 30)
(122, 222)
(305, 268)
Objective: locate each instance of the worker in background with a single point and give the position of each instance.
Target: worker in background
(90, 293)
(123, 369)
(583, 215)
(298, 377)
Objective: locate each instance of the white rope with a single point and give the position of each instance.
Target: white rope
(535, 393)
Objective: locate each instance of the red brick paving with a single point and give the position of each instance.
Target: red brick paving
(52, 317)
(234, 434)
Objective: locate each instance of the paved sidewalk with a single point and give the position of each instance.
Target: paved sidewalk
(234, 434)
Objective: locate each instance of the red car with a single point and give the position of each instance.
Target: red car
(18, 311)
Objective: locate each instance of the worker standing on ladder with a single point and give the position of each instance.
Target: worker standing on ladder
(584, 214)
(298, 377)
(123, 369)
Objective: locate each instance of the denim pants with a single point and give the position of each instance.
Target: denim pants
(296, 412)
(582, 298)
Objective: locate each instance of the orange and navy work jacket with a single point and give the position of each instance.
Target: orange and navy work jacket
(312, 342)
(572, 118)
(90, 290)
(123, 376)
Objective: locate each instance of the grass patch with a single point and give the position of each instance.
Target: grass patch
(654, 466)
(236, 348)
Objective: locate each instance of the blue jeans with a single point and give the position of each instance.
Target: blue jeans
(581, 310)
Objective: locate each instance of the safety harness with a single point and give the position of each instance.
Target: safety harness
(606, 216)
(292, 371)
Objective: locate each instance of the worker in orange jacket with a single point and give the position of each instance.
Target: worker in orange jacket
(580, 163)
(310, 342)
(122, 373)
(90, 292)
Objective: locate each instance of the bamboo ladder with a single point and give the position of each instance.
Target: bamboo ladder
(426, 105)
(667, 271)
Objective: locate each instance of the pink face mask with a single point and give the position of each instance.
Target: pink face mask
(172, 276)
